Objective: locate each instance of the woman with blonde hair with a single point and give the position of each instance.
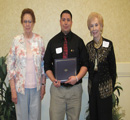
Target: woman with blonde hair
(101, 69)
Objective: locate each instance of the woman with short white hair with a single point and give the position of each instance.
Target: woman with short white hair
(101, 69)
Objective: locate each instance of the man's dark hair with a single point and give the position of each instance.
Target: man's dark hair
(66, 11)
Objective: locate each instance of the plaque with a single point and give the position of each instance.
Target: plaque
(64, 68)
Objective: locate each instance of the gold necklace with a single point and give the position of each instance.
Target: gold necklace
(98, 44)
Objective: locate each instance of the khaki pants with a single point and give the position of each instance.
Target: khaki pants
(65, 100)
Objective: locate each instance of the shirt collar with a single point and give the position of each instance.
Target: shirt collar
(68, 36)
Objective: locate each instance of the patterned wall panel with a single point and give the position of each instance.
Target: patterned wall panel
(115, 13)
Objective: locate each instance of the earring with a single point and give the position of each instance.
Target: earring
(90, 34)
(101, 31)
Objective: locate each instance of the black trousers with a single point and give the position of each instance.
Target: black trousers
(100, 109)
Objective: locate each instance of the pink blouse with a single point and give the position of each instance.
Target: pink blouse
(30, 78)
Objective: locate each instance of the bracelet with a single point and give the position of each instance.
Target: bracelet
(44, 84)
(77, 78)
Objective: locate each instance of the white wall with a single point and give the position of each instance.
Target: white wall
(123, 71)
(115, 13)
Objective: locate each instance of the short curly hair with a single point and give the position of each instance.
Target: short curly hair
(28, 11)
(94, 15)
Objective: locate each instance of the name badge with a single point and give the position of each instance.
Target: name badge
(59, 50)
(23, 62)
(35, 44)
(105, 44)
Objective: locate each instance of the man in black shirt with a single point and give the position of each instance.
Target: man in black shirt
(65, 97)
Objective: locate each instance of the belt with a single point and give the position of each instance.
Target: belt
(66, 85)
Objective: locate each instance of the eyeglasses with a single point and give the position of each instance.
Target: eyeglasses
(27, 21)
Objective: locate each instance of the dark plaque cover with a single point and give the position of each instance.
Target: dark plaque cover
(64, 68)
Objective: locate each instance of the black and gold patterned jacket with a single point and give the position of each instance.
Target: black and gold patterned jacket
(106, 61)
